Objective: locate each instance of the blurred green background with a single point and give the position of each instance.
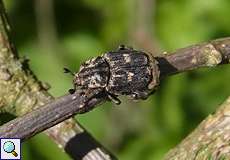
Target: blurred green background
(56, 34)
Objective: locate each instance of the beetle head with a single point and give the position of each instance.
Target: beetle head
(93, 73)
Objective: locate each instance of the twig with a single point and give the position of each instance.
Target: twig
(42, 118)
(23, 92)
(207, 54)
(81, 145)
(203, 55)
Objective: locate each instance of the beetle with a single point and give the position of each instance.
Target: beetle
(122, 72)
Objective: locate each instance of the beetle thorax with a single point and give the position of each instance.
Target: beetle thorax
(93, 74)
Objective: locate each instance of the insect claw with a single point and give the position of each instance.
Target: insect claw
(71, 91)
(114, 99)
(121, 47)
(139, 95)
(133, 96)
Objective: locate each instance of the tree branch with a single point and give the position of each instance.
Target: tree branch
(21, 93)
(23, 90)
(203, 55)
(52, 113)
(207, 54)
(210, 140)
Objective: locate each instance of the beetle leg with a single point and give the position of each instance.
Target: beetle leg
(66, 70)
(140, 95)
(121, 47)
(114, 98)
(71, 91)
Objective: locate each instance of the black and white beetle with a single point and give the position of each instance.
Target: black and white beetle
(122, 72)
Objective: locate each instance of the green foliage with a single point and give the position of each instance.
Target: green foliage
(87, 28)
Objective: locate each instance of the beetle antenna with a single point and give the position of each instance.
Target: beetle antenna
(66, 70)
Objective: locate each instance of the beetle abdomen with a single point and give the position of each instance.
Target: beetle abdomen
(129, 72)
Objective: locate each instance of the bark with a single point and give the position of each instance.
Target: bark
(208, 54)
(210, 140)
(21, 92)
(45, 117)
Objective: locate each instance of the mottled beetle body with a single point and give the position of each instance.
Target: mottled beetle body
(93, 73)
(123, 72)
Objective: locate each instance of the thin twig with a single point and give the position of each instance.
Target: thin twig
(42, 118)
(207, 54)
(203, 55)
(23, 92)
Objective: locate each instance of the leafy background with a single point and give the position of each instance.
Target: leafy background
(57, 34)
